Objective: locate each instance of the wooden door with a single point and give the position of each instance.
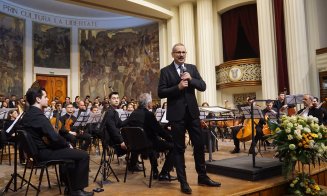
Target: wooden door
(56, 86)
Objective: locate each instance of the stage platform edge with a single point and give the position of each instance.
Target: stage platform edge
(242, 167)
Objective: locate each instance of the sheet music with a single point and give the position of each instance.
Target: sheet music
(94, 118)
(293, 99)
(257, 113)
(82, 119)
(203, 115)
(159, 113)
(164, 119)
(13, 124)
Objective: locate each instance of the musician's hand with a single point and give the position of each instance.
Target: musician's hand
(183, 84)
(70, 146)
(73, 133)
(123, 146)
(186, 76)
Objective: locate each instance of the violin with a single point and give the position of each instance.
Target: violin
(68, 124)
(55, 122)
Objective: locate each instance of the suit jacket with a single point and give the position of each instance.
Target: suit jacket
(113, 125)
(142, 117)
(179, 100)
(315, 112)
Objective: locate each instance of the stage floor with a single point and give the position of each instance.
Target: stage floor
(137, 185)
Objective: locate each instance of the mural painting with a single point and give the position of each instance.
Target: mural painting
(123, 60)
(11, 55)
(51, 46)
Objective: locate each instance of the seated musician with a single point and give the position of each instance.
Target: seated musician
(318, 105)
(113, 124)
(71, 133)
(92, 127)
(11, 137)
(309, 109)
(205, 127)
(258, 127)
(159, 138)
(39, 127)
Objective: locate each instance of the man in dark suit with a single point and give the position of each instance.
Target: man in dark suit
(113, 124)
(309, 109)
(177, 83)
(54, 146)
(160, 140)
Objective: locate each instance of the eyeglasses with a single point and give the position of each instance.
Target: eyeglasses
(179, 52)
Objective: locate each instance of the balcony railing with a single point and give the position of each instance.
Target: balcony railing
(237, 73)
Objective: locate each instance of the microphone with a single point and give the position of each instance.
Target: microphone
(183, 69)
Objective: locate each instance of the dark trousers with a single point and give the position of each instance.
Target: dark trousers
(195, 133)
(85, 138)
(162, 146)
(79, 172)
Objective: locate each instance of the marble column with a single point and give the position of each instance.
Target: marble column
(29, 76)
(297, 46)
(267, 44)
(172, 31)
(187, 33)
(206, 63)
(75, 67)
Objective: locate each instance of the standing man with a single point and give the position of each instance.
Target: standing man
(39, 127)
(177, 83)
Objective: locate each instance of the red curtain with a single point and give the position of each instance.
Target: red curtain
(249, 22)
(229, 29)
(282, 72)
(246, 16)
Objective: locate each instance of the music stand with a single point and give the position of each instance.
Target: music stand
(251, 112)
(15, 175)
(81, 121)
(105, 163)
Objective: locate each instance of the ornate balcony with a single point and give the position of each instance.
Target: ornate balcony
(237, 73)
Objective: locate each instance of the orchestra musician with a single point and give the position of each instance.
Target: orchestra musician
(269, 110)
(316, 104)
(71, 133)
(38, 126)
(113, 124)
(160, 140)
(309, 109)
(279, 105)
(177, 83)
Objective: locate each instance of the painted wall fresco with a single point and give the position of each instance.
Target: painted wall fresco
(123, 60)
(51, 46)
(11, 55)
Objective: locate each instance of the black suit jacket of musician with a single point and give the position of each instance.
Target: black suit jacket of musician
(145, 119)
(113, 124)
(177, 100)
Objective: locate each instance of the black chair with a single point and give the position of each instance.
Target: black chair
(6, 146)
(31, 152)
(136, 142)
